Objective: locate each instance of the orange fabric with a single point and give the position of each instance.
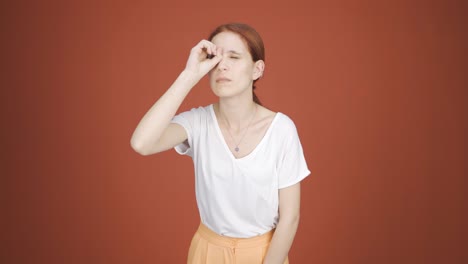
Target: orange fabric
(207, 247)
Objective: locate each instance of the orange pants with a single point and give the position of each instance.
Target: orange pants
(207, 247)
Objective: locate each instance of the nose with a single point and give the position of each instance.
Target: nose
(222, 64)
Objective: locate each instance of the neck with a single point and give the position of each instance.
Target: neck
(237, 114)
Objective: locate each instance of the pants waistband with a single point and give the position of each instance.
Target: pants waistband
(231, 242)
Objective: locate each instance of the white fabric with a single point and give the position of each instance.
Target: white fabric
(239, 197)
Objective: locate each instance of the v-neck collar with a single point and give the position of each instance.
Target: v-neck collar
(223, 140)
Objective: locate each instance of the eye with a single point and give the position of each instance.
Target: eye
(234, 57)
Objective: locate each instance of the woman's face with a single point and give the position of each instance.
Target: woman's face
(236, 71)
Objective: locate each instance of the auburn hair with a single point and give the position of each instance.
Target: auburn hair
(251, 38)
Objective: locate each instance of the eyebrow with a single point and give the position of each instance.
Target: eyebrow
(235, 52)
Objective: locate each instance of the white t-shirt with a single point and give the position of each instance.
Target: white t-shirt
(239, 197)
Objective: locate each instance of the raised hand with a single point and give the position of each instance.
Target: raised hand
(203, 57)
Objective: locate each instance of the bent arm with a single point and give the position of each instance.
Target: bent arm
(289, 207)
(155, 133)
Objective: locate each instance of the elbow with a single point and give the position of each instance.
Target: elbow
(137, 146)
(144, 148)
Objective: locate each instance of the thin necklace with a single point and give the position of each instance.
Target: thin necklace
(240, 141)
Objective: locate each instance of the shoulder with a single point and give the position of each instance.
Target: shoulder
(202, 109)
(286, 123)
(270, 114)
(280, 120)
(265, 115)
(196, 111)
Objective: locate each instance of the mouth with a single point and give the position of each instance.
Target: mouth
(222, 79)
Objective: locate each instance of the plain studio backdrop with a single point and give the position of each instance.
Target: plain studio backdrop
(377, 90)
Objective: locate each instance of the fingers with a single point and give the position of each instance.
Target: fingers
(206, 48)
(204, 57)
(216, 56)
(210, 53)
(209, 64)
(215, 53)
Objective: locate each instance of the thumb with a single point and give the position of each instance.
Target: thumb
(217, 58)
(209, 64)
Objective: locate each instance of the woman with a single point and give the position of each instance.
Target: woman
(248, 160)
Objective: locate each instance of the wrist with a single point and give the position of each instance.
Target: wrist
(189, 77)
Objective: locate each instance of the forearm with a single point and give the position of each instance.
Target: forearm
(281, 241)
(158, 117)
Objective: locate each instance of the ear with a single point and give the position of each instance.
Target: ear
(259, 68)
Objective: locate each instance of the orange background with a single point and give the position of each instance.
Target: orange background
(377, 90)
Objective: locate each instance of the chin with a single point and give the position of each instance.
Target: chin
(223, 91)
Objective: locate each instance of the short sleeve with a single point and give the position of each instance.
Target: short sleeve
(187, 120)
(293, 167)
